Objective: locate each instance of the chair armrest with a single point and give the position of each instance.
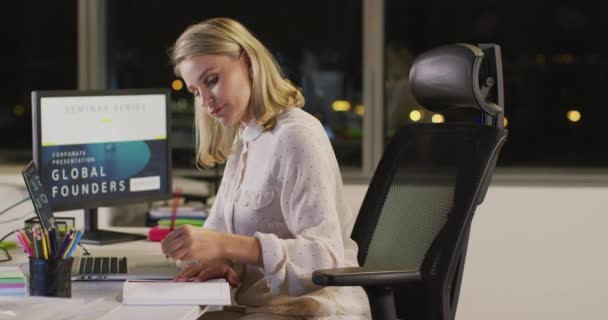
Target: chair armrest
(363, 276)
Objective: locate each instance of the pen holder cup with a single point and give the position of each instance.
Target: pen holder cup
(51, 278)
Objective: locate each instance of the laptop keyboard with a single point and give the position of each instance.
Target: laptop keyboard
(102, 265)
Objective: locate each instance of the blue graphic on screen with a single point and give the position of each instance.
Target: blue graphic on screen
(103, 171)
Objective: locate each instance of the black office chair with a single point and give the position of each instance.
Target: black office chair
(413, 226)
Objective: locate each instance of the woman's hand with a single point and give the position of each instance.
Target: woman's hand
(211, 270)
(194, 243)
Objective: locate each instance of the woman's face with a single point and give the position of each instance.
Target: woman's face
(221, 86)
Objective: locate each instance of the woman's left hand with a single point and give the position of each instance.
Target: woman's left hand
(194, 243)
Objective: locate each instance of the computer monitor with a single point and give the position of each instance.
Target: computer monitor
(102, 148)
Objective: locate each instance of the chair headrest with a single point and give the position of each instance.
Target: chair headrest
(450, 76)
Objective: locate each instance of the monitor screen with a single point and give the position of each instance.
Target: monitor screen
(102, 148)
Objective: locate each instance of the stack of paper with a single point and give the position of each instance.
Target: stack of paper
(183, 215)
(166, 223)
(181, 212)
(170, 293)
(12, 281)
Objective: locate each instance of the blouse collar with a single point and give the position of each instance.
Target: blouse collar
(252, 130)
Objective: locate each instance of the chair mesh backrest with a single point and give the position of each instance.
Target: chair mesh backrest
(415, 210)
(427, 179)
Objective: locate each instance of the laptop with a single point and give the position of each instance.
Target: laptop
(131, 267)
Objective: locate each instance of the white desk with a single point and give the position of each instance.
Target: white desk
(111, 291)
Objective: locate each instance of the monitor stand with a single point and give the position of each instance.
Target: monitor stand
(92, 235)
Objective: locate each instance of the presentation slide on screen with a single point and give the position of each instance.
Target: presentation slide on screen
(103, 148)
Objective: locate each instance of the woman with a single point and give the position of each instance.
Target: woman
(280, 212)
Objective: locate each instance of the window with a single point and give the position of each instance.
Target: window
(553, 60)
(318, 45)
(554, 68)
(39, 52)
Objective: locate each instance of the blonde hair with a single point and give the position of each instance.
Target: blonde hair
(271, 92)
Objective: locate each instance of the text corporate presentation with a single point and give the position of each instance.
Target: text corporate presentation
(103, 149)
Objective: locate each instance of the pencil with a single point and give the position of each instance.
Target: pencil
(25, 237)
(48, 243)
(44, 247)
(67, 248)
(30, 238)
(73, 247)
(53, 237)
(24, 245)
(63, 245)
(36, 245)
(51, 241)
